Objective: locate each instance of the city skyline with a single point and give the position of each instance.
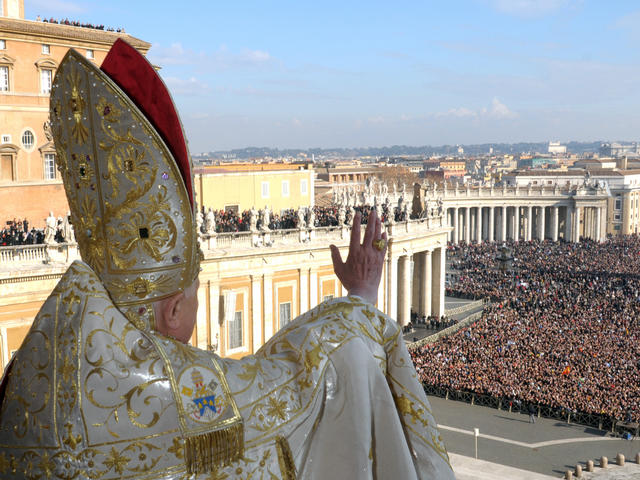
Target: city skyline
(305, 75)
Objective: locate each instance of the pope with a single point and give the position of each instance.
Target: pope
(105, 385)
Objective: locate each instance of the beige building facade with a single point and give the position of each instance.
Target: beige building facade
(30, 52)
(247, 293)
(240, 187)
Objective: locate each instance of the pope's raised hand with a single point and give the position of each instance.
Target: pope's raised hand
(361, 273)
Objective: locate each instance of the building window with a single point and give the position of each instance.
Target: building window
(618, 205)
(285, 188)
(90, 54)
(235, 331)
(285, 313)
(616, 216)
(303, 187)
(45, 81)
(6, 167)
(49, 166)
(46, 49)
(28, 140)
(6, 138)
(265, 189)
(4, 79)
(3, 44)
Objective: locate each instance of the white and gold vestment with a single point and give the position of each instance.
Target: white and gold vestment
(332, 395)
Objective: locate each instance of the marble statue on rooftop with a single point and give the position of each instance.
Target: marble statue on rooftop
(253, 219)
(67, 229)
(342, 214)
(266, 218)
(50, 228)
(210, 222)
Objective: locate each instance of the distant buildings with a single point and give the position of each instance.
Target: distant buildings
(556, 148)
(615, 149)
(241, 186)
(30, 52)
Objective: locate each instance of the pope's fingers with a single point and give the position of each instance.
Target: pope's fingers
(336, 258)
(378, 228)
(371, 225)
(355, 233)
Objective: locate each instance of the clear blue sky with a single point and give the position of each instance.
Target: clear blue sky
(351, 73)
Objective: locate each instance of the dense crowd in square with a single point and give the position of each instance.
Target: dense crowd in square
(562, 330)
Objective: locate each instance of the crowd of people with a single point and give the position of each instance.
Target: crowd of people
(231, 221)
(75, 23)
(16, 232)
(562, 330)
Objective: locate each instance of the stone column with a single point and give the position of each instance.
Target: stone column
(541, 223)
(598, 224)
(313, 288)
(267, 301)
(437, 282)
(491, 223)
(202, 327)
(416, 262)
(456, 223)
(626, 213)
(404, 290)
(529, 222)
(214, 313)
(478, 224)
(555, 222)
(467, 224)
(516, 223)
(576, 224)
(392, 286)
(426, 283)
(568, 224)
(586, 223)
(256, 312)
(503, 236)
(304, 292)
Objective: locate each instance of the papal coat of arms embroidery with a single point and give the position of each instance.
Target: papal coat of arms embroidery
(202, 396)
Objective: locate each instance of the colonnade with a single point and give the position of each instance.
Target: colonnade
(415, 281)
(526, 222)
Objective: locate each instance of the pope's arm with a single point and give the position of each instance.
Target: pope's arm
(339, 385)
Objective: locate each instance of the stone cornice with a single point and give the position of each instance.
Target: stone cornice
(67, 32)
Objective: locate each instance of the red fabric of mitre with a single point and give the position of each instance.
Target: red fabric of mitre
(133, 73)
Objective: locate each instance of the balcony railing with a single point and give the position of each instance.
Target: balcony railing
(42, 254)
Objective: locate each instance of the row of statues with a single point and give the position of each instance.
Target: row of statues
(58, 230)
(374, 193)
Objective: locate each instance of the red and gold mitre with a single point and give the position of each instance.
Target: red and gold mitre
(128, 178)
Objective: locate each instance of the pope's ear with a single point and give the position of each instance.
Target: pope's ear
(168, 318)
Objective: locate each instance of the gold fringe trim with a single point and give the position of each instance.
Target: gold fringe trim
(285, 459)
(207, 452)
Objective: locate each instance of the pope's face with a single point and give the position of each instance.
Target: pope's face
(188, 312)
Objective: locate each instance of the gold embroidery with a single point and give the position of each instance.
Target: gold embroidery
(76, 105)
(285, 459)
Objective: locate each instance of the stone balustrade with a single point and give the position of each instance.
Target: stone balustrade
(24, 254)
(41, 253)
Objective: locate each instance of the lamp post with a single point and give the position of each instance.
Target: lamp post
(476, 434)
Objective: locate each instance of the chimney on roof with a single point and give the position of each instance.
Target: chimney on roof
(12, 9)
(621, 163)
